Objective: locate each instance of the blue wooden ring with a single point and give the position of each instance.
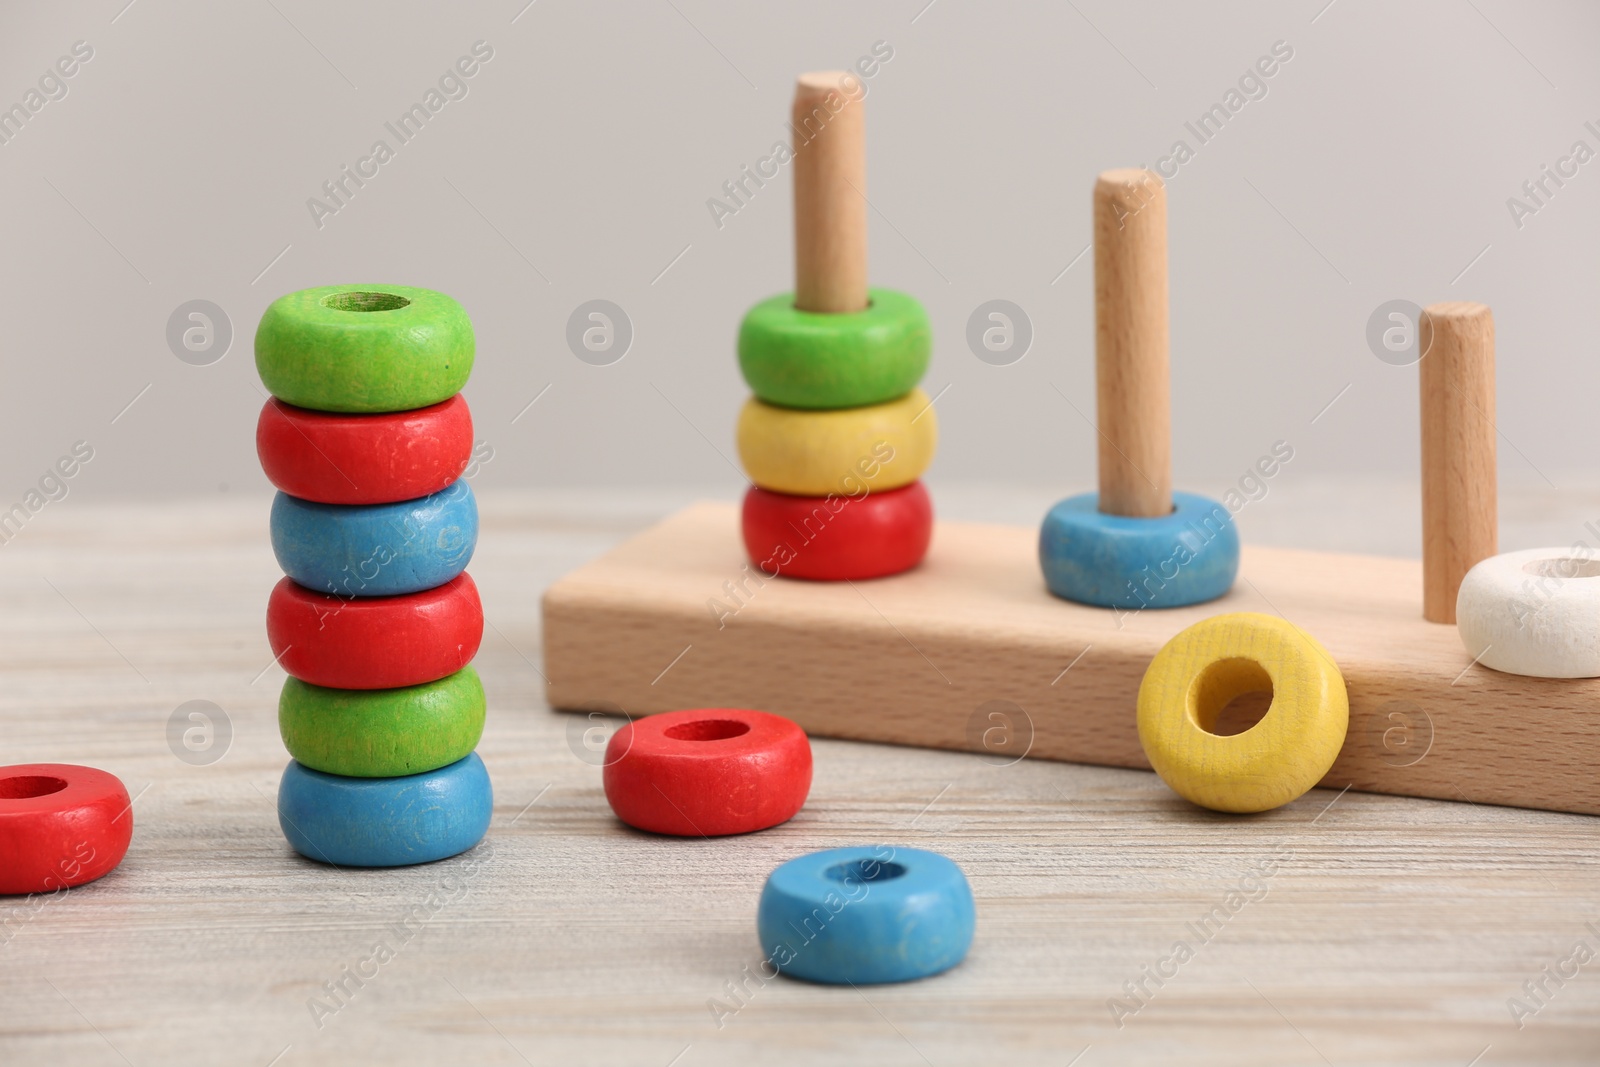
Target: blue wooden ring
(385, 822)
(348, 550)
(1112, 561)
(865, 915)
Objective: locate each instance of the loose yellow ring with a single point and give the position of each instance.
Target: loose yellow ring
(1198, 672)
(815, 453)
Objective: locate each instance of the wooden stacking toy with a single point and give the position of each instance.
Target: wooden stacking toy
(366, 439)
(1136, 544)
(61, 825)
(1502, 707)
(837, 435)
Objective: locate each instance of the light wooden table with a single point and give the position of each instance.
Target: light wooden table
(1390, 931)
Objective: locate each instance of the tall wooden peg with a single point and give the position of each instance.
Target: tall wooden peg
(1131, 374)
(830, 187)
(1459, 517)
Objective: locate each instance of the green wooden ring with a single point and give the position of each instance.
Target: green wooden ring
(364, 348)
(808, 359)
(382, 733)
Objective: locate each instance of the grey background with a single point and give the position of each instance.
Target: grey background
(578, 167)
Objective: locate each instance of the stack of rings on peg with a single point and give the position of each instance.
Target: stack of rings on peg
(1136, 544)
(835, 441)
(837, 436)
(366, 438)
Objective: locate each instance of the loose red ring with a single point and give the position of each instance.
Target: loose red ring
(837, 538)
(375, 642)
(60, 825)
(707, 772)
(364, 459)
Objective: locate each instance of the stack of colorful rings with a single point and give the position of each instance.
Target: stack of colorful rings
(366, 438)
(836, 438)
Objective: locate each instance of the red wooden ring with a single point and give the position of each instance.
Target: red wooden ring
(835, 538)
(364, 459)
(376, 642)
(707, 772)
(60, 825)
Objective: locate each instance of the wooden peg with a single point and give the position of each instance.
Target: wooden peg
(1459, 517)
(1131, 375)
(830, 194)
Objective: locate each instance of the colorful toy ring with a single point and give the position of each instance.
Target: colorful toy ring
(707, 772)
(364, 459)
(364, 348)
(60, 825)
(866, 915)
(807, 359)
(382, 733)
(1202, 669)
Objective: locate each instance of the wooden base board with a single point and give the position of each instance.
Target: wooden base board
(969, 651)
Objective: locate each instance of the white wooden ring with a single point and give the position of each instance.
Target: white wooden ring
(1535, 613)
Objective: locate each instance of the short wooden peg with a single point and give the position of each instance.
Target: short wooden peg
(830, 186)
(1131, 373)
(1458, 454)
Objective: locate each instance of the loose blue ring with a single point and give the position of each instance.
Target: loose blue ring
(865, 915)
(1112, 561)
(351, 550)
(385, 822)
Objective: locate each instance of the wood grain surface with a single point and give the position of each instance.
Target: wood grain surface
(1390, 931)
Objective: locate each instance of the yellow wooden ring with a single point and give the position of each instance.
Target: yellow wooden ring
(1198, 672)
(844, 451)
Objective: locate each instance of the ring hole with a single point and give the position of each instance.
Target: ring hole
(27, 786)
(365, 302)
(1563, 567)
(865, 871)
(1231, 696)
(707, 730)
